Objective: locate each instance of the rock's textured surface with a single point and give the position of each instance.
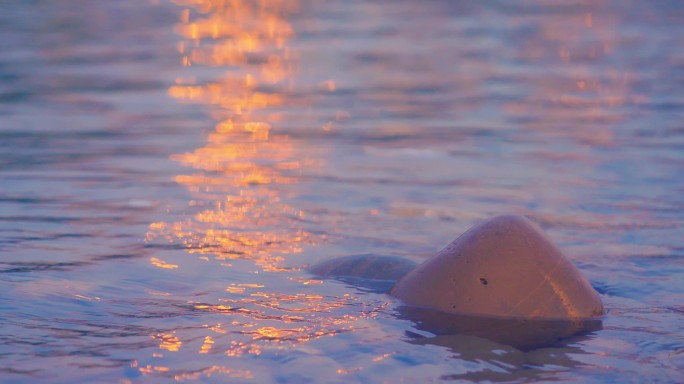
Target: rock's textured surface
(504, 267)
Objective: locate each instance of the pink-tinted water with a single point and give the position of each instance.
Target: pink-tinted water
(168, 170)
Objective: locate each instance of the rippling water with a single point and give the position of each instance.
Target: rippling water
(168, 170)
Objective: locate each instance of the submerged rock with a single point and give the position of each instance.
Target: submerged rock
(502, 280)
(504, 267)
(367, 266)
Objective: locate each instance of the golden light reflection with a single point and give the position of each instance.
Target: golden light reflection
(162, 264)
(206, 347)
(281, 320)
(237, 180)
(152, 368)
(194, 375)
(168, 342)
(244, 161)
(382, 357)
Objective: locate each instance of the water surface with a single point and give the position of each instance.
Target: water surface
(168, 170)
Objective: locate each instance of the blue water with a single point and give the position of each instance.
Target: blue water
(168, 170)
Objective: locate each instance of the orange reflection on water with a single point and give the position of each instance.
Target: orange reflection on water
(206, 347)
(238, 181)
(168, 342)
(281, 318)
(244, 160)
(162, 264)
(153, 368)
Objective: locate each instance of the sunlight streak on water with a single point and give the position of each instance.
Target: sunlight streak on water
(243, 161)
(237, 187)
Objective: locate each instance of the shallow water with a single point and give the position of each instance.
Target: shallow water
(169, 169)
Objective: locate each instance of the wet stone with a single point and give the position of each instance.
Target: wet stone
(504, 267)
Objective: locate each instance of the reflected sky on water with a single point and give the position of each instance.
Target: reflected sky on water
(169, 170)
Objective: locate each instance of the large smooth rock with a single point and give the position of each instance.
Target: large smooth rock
(504, 267)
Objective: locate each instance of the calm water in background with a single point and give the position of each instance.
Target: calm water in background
(168, 170)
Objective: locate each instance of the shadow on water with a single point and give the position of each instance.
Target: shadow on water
(520, 333)
(499, 361)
